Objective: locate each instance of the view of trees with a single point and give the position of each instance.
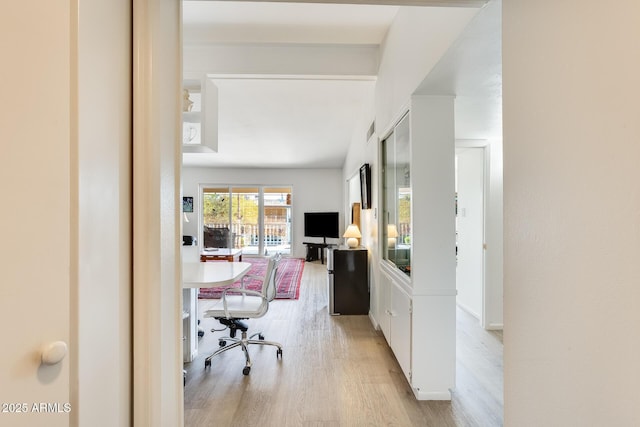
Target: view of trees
(216, 208)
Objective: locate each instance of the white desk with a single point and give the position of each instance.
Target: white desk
(212, 274)
(203, 275)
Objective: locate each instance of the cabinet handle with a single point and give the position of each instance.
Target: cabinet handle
(390, 313)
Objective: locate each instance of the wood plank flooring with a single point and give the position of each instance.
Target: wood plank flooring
(335, 371)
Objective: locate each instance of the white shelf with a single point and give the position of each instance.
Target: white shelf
(200, 127)
(192, 116)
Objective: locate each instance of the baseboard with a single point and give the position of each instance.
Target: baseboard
(375, 324)
(468, 310)
(432, 395)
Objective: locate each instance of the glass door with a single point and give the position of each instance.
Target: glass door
(277, 220)
(215, 217)
(254, 219)
(245, 208)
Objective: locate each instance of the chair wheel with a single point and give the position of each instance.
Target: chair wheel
(279, 353)
(246, 370)
(222, 343)
(207, 364)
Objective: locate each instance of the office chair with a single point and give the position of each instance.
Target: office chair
(231, 310)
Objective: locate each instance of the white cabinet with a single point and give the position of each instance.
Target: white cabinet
(396, 320)
(400, 327)
(384, 319)
(417, 280)
(189, 324)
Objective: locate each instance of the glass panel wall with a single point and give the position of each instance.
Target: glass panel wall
(396, 153)
(254, 219)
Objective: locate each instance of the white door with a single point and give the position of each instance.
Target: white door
(65, 128)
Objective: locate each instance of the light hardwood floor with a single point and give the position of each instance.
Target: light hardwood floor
(335, 371)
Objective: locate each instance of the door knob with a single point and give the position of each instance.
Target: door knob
(54, 352)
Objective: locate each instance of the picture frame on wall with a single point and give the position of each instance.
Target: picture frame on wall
(187, 204)
(365, 186)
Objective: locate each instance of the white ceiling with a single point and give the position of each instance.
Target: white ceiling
(251, 22)
(277, 122)
(268, 120)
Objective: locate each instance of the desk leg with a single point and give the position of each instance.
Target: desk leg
(189, 326)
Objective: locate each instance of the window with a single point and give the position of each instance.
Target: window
(396, 156)
(258, 218)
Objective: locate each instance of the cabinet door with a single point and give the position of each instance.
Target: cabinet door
(384, 295)
(400, 328)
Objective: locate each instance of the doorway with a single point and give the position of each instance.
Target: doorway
(470, 221)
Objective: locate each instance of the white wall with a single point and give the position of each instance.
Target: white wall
(415, 42)
(572, 212)
(363, 151)
(470, 229)
(313, 190)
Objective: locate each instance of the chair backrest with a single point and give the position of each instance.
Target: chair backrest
(270, 286)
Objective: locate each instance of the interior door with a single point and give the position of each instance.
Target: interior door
(65, 294)
(35, 182)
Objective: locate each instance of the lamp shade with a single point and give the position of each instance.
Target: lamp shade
(392, 234)
(352, 233)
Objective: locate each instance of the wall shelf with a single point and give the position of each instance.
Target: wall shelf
(200, 125)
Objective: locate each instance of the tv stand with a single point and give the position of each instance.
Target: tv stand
(315, 249)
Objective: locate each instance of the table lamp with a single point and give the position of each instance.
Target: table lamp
(392, 234)
(352, 234)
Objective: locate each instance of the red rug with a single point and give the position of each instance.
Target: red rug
(288, 278)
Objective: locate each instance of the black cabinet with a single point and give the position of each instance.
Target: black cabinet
(348, 281)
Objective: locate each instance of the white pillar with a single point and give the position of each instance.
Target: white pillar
(433, 246)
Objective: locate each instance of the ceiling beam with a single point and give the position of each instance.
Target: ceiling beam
(280, 59)
(432, 3)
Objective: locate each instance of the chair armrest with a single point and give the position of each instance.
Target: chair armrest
(265, 301)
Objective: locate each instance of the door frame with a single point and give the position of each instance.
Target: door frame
(157, 159)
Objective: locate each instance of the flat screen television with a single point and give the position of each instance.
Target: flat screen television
(321, 224)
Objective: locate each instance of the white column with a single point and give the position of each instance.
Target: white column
(433, 245)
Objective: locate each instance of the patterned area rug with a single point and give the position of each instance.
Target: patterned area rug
(288, 278)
